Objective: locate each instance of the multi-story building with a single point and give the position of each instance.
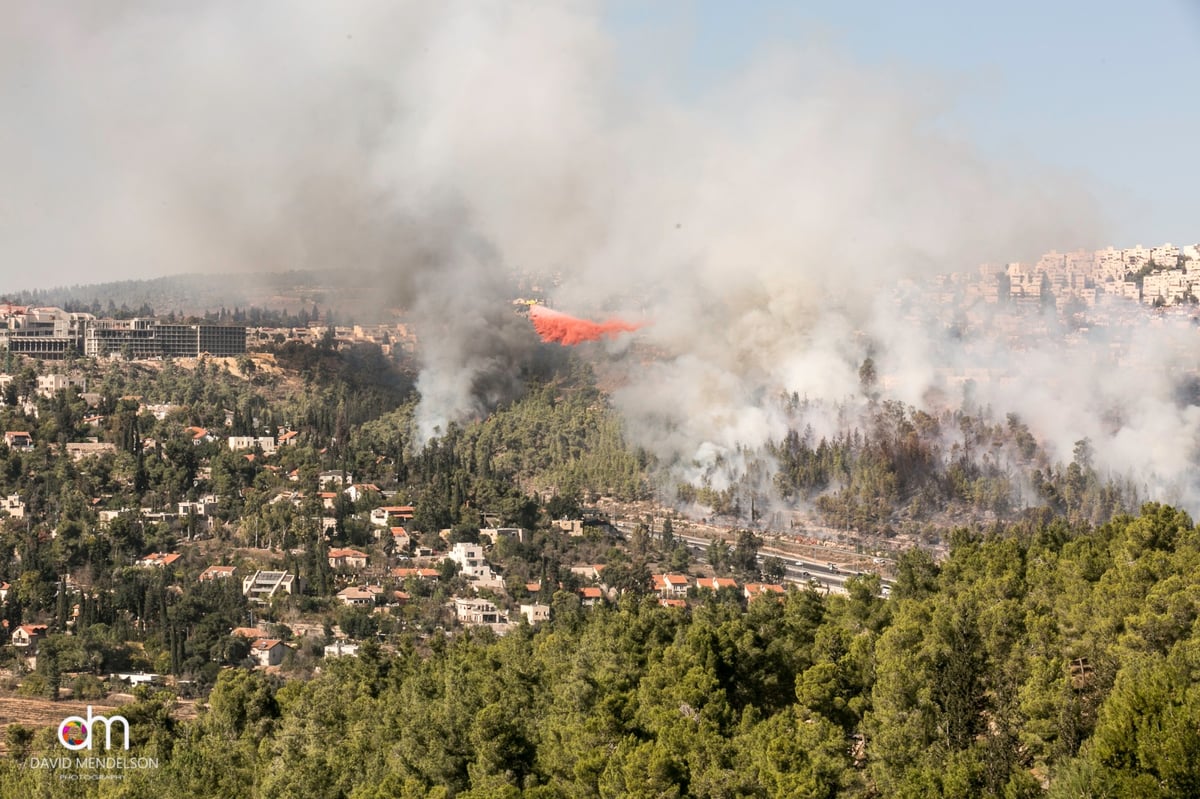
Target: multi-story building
(262, 585)
(47, 333)
(52, 334)
(49, 385)
(477, 611)
(471, 562)
(190, 341)
(149, 338)
(13, 506)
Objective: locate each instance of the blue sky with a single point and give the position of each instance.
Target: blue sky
(1107, 91)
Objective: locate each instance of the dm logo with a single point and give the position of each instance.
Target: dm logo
(75, 732)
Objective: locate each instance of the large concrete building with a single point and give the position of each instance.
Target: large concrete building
(48, 333)
(149, 338)
(52, 333)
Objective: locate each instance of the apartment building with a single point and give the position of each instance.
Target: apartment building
(52, 334)
(149, 338)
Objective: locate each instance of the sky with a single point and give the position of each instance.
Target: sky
(138, 140)
(1105, 90)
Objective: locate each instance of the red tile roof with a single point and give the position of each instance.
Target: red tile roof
(160, 558)
(421, 573)
(346, 553)
(247, 632)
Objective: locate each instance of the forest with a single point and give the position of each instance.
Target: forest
(1051, 652)
(1045, 660)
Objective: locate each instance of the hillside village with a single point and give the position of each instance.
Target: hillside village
(1158, 276)
(239, 551)
(156, 539)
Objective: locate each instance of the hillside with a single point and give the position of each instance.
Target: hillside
(349, 293)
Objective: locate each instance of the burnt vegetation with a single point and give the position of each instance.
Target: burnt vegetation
(1048, 654)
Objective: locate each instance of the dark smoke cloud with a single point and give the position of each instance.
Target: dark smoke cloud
(761, 223)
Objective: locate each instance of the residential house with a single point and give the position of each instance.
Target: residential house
(200, 435)
(572, 527)
(240, 443)
(477, 611)
(590, 596)
(670, 586)
(339, 649)
(161, 411)
(27, 636)
(385, 516)
(357, 597)
(262, 585)
(80, 450)
(152, 515)
(360, 491)
(536, 612)
(18, 440)
(752, 590)
(347, 559)
(216, 573)
(511, 533)
(49, 385)
(13, 506)
(590, 573)
(715, 584)
(106, 516)
(159, 559)
(296, 498)
(205, 506)
(471, 563)
(328, 499)
(336, 477)
(251, 633)
(135, 678)
(4, 589)
(268, 651)
(401, 573)
(400, 539)
(288, 439)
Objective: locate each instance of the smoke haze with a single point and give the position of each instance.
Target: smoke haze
(762, 223)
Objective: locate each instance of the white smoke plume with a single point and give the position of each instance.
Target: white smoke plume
(758, 225)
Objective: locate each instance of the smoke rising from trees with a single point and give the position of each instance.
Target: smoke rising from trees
(761, 222)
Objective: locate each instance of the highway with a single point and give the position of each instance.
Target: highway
(798, 570)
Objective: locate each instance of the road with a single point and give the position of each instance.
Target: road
(798, 570)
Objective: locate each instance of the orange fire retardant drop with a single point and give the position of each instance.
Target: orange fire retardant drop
(556, 327)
